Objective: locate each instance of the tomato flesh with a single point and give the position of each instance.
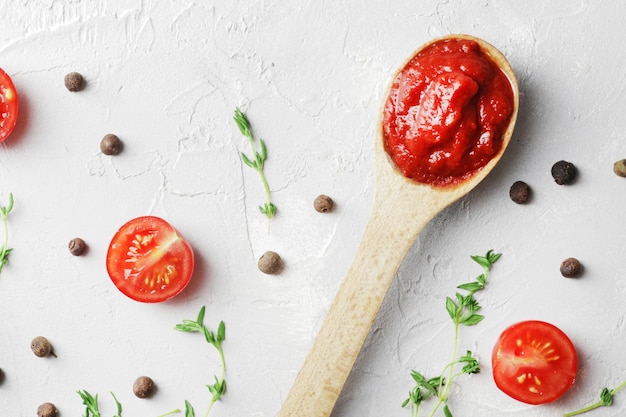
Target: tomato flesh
(534, 362)
(8, 105)
(149, 261)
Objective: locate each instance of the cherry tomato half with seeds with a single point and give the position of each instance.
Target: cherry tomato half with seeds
(8, 105)
(534, 362)
(149, 261)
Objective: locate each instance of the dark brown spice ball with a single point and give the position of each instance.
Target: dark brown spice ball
(270, 263)
(47, 410)
(111, 145)
(564, 172)
(143, 387)
(74, 81)
(519, 192)
(77, 246)
(323, 203)
(571, 268)
(620, 168)
(41, 347)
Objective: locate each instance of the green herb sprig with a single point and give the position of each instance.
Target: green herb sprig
(5, 250)
(463, 310)
(258, 162)
(189, 411)
(218, 388)
(606, 399)
(91, 404)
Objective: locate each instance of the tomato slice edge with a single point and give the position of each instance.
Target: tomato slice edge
(9, 105)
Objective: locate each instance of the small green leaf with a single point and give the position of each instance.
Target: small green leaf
(200, 318)
(247, 160)
(451, 307)
(242, 122)
(118, 405)
(606, 397)
(263, 150)
(471, 286)
(221, 332)
(446, 411)
(189, 412)
(482, 261)
(482, 279)
(471, 320)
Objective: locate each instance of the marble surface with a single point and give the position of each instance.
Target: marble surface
(166, 76)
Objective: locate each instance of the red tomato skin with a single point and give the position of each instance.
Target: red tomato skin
(8, 105)
(132, 278)
(534, 362)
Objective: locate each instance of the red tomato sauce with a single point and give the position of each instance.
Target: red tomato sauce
(446, 112)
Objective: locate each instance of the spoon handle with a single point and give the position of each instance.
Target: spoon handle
(386, 240)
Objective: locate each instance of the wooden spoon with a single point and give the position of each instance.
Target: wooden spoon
(402, 208)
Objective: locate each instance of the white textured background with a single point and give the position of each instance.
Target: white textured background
(166, 76)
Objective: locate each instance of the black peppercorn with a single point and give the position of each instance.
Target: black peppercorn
(619, 168)
(323, 203)
(270, 263)
(564, 172)
(111, 145)
(74, 81)
(77, 246)
(519, 192)
(571, 268)
(47, 410)
(143, 387)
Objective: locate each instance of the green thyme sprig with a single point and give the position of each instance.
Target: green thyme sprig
(258, 162)
(218, 388)
(189, 411)
(92, 408)
(463, 310)
(606, 399)
(5, 250)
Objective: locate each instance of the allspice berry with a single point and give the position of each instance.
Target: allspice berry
(47, 410)
(323, 203)
(74, 81)
(619, 168)
(111, 144)
(564, 172)
(270, 263)
(519, 192)
(77, 246)
(571, 268)
(41, 347)
(143, 387)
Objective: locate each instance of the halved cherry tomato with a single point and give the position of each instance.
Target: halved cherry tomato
(149, 261)
(8, 105)
(534, 362)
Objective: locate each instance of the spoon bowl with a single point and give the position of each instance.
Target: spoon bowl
(402, 208)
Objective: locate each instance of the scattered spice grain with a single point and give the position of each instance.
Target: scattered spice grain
(619, 168)
(143, 387)
(41, 347)
(564, 172)
(519, 192)
(74, 81)
(270, 263)
(323, 203)
(47, 410)
(77, 246)
(571, 268)
(111, 144)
